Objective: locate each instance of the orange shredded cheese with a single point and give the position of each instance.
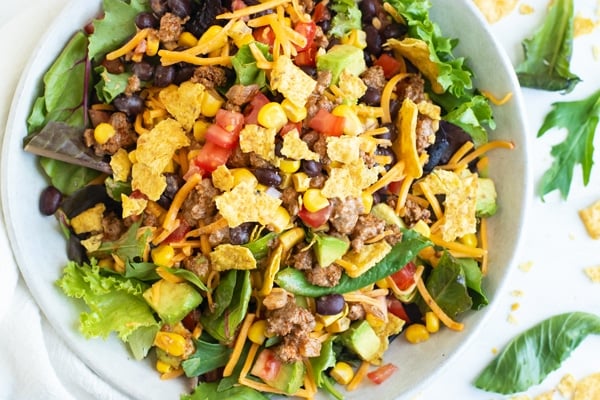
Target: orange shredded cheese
(483, 239)
(403, 194)
(359, 376)
(239, 345)
(386, 96)
(446, 320)
(480, 151)
(261, 60)
(179, 198)
(192, 244)
(164, 233)
(459, 248)
(167, 276)
(138, 126)
(175, 373)
(102, 107)
(496, 101)
(205, 245)
(460, 153)
(169, 57)
(395, 173)
(246, 11)
(129, 46)
(207, 229)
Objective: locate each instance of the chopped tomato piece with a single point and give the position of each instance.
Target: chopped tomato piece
(290, 126)
(405, 277)
(317, 218)
(390, 65)
(264, 35)
(396, 307)
(252, 109)
(211, 156)
(178, 234)
(308, 30)
(307, 58)
(394, 187)
(266, 366)
(382, 373)
(221, 137)
(326, 123)
(321, 12)
(230, 120)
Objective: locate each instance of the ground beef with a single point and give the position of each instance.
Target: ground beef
(219, 236)
(289, 199)
(317, 181)
(198, 264)
(297, 348)
(374, 77)
(368, 158)
(149, 219)
(98, 116)
(327, 276)
(200, 203)
(112, 227)
(240, 94)
(356, 312)
(238, 159)
(133, 85)
(425, 133)
(308, 5)
(304, 260)
(367, 227)
(320, 147)
(317, 100)
(210, 76)
(395, 236)
(344, 215)
(124, 136)
(414, 212)
(412, 87)
(257, 161)
(320, 38)
(171, 27)
(311, 137)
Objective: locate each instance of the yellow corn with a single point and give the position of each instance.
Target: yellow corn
(301, 181)
(286, 180)
(199, 130)
(289, 239)
(352, 124)
(339, 325)
(342, 372)
(211, 103)
(313, 200)
(108, 263)
(170, 167)
(367, 202)
(243, 175)
(280, 220)
(382, 283)
(172, 343)
(422, 227)
(416, 333)
(289, 166)
(152, 44)
(132, 157)
(318, 326)
(356, 38)
(163, 367)
(257, 332)
(470, 239)
(432, 322)
(293, 112)
(103, 132)
(187, 39)
(240, 33)
(163, 255)
(272, 115)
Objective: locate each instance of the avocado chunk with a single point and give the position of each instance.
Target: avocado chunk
(362, 340)
(329, 248)
(486, 198)
(287, 377)
(172, 301)
(387, 214)
(342, 57)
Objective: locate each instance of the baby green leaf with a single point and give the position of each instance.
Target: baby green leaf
(531, 356)
(580, 118)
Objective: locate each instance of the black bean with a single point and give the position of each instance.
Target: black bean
(181, 8)
(75, 250)
(373, 39)
(144, 70)
(241, 233)
(159, 7)
(372, 97)
(311, 168)
(267, 176)
(278, 146)
(164, 75)
(174, 182)
(50, 200)
(183, 74)
(146, 20)
(391, 134)
(369, 9)
(387, 151)
(330, 304)
(131, 105)
(393, 31)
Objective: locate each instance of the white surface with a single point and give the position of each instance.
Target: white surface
(556, 244)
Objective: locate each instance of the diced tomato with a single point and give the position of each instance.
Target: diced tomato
(317, 218)
(252, 109)
(221, 137)
(290, 126)
(382, 373)
(308, 30)
(326, 123)
(178, 234)
(231, 121)
(266, 366)
(405, 278)
(264, 35)
(390, 65)
(394, 187)
(307, 58)
(320, 12)
(211, 156)
(396, 307)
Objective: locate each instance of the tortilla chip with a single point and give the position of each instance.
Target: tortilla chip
(156, 148)
(591, 219)
(120, 165)
(417, 52)
(255, 138)
(345, 149)
(351, 86)
(184, 103)
(296, 148)
(566, 386)
(246, 204)
(293, 83)
(588, 388)
(144, 179)
(132, 206)
(222, 178)
(495, 10)
(361, 261)
(593, 273)
(228, 256)
(89, 220)
(406, 145)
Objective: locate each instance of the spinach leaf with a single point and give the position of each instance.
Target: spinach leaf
(412, 242)
(188, 276)
(474, 278)
(260, 246)
(208, 391)
(580, 119)
(325, 360)
(115, 188)
(231, 304)
(532, 355)
(144, 271)
(244, 64)
(208, 356)
(548, 52)
(68, 178)
(347, 17)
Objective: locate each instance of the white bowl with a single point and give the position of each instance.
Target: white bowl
(39, 247)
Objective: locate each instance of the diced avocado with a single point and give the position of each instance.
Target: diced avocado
(486, 198)
(287, 377)
(362, 340)
(386, 213)
(342, 57)
(329, 248)
(172, 301)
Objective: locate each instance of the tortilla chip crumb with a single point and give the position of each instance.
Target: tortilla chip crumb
(512, 319)
(494, 350)
(526, 266)
(521, 397)
(517, 293)
(526, 9)
(582, 26)
(588, 388)
(593, 273)
(566, 386)
(495, 10)
(545, 396)
(596, 52)
(591, 219)
(515, 306)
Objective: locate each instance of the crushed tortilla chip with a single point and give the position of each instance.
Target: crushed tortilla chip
(351, 86)
(89, 220)
(184, 103)
(517, 293)
(417, 52)
(156, 148)
(495, 10)
(582, 26)
(588, 388)
(512, 319)
(133, 206)
(92, 243)
(526, 9)
(545, 396)
(296, 148)
(591, 219)
(120, 165)
(244, 203)
(228, 256)
(345, 149)
(566, 386)
(293, 83)
(526, 266)
(255, 138)
(349, 180)
(359, 262)
(144, 179)
(222, 178)
(593, 273)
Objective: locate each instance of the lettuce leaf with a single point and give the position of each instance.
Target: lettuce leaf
(115, 305)
(110, 85)
(209, 391)
(347, 17)
(471, 115)
(244, 64)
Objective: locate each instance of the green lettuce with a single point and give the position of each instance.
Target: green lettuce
(347, 17)
(471, 116)
(244, 64)
(110, 85)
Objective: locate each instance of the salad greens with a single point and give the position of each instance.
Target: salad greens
(531, 356)
(548, 53)
(347, 17)
(210, 391)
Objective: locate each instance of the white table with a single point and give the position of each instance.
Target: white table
(556, 246)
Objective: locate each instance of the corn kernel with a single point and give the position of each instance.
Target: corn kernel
(339, 325)
(243, 175)
(416, 333)
(211, 103)
(286, 180)
(422, 227)
(170, 167)
(163, 367)
(367, 201)
(107, 263)
(289, 166)
(257, 332)
(172, 343)
(342, 372)
(272, 115)
(301, 182)
(280, 220)
(289, 239)
(432, 322)
(187, 39)
(313, 200)
(240, 33)
(293, 112)
(356, 38)
(103, 132)
(132, 157)
(152, 44)
(210, 34)
(163, 255)
(352, 123)
(199, 130)
(318, 326)
(470, 239)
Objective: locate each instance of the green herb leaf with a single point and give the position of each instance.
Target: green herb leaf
(129, 247)
(244, 64)
(144, 271)
(260, 246)
(347, 17)
(110, 85)
(208, 391)
(188, 276)
(471, 115)
(548, 52)
(295, 281)
(325, 360)
(532, 355)
(208, 356)
(474, 277)
(580, 118)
